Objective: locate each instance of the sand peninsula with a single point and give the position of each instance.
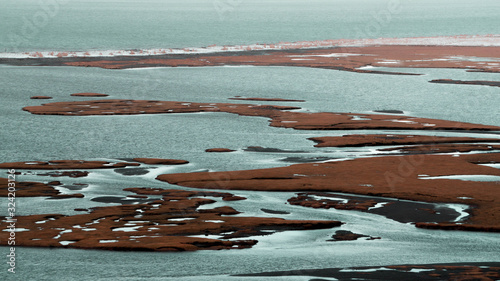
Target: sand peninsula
(281, 116)
(420, 177)
(447, 271)
(475, 53)
(358, 55)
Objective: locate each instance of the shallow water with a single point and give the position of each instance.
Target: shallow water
(185, 136)
(77, 25)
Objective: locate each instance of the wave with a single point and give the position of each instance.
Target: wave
(459, 40)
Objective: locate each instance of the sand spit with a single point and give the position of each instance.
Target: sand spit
(89, 95)
(451, 271)
(355, 59)
(173, 223)
(41, 98)
(64, 165)
(475, 82)
(219, 150)
(266, 99)
(389, 139)
(475, 53)
(35, 189)
(443, 148)
(83, 164)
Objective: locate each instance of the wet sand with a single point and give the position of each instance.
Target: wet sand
(346, 235)
(219, 150)
(487, 271)
(64, 165)
(444, 148)
(459, 82)
(399, 210)
(82, 164)
(41, 98)
(143, 222)
(71, 174)
(281, 116)
(266, 99)
(389, 176)
(337, 58)
(401, 177)
(35, 189)
(378, 139)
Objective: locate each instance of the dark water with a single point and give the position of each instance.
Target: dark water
(76, 25)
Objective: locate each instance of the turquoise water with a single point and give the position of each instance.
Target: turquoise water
(75, 25)
(104, 25)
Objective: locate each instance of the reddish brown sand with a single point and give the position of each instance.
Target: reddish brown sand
(127, 107)
(40, 98)
(71, 174)
(376, 140)
(389, 176)
(266, 99)
(219, 150)
(34, 189)
(156, 226)
(89, 95)
(157, 161)
(279, 115)
(348, 121)
(305, 200)
(450, 81)
(403, 211)
(65, 165)
(183, 193)
(398, 56)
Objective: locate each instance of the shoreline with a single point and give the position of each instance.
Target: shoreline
(436, 271)
(384, 175)
(399, 177)
(456, 40)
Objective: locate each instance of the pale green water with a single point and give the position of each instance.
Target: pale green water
(77, 25)
(168, 136)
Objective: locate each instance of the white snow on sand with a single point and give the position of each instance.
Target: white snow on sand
(459, 40)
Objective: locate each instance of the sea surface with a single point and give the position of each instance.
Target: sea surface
(76, 25)
(112, 25)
